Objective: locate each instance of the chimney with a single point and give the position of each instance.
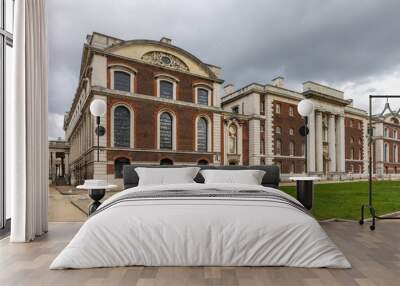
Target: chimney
(166, 40)
(229, 88)
(278, 81)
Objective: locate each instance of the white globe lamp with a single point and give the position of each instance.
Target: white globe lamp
(98, 107)
(305, 107)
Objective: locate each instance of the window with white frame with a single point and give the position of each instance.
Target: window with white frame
(395, 153)
(386, 132)
(277, 130)
(277, 108)
(395, 134)
(122, 126)
(166, 131)
(166, 89)
(122, 78)
(203, 96)
(166, 86)
(386, 152)
(291, 148)
(278, 147)
(122, 81)
(202, 135)
(291, 131)
(291, 111)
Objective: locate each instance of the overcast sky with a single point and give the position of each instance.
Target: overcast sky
(350, 45)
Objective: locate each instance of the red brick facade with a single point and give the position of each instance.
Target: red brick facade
(354, 145)
(287, 122)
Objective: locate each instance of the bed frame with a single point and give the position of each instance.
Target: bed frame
(270, 179)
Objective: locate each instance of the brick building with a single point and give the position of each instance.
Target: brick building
(166, 106)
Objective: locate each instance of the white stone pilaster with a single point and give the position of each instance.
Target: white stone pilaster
(217, 137)
(269, 151)
(254, 142)
(318, 142)
(332, 143)
(341, 167)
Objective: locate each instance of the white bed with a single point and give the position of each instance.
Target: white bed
(202, 231)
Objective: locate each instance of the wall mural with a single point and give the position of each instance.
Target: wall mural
(165, 59)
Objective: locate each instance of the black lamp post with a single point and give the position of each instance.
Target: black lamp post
(98, 108)
(305, 108)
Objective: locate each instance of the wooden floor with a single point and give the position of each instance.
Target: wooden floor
(375, 257)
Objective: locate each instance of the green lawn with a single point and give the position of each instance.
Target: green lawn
(343, 200)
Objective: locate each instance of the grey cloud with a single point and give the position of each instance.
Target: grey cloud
(328, 41)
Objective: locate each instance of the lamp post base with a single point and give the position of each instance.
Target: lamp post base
(96, 195)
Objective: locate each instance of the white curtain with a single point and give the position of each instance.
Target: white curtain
(26, 117)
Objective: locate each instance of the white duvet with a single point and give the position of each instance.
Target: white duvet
(200, 231)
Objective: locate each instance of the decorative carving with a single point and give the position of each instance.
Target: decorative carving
(165, 59)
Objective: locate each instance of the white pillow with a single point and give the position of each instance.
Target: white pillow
(248, 177)
(166, 176)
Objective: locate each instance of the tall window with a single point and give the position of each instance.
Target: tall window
(386, 132)
(119, 167)
(395, 153)
(352, 154)
(6, 43)
(122, 81)
(202, 133)
(386, 152)
(166, 89)
(395, 134)
(202, 96)
(277, 130)
(122, 127)
(278, 108)
(165, 131)
(232, 139)
(278, 147)
(291, 111)
(291, 131)
(262, 105)
(291, 148)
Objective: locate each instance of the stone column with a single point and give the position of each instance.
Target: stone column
(254, 142)
(311, 143)
(318, 142)
(332, 143)
(340, 139)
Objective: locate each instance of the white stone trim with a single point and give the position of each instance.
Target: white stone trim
(173, 129)
(132, 124)
(209, 132)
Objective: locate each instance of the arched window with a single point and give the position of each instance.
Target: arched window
(232, 139)
(166, 161)
(278, 146)
(119, 167)
(386, 152)
(166, 131)
(166, 89)
(202, 162)
(291, 131)
(291, 148)
(122, 127)
(202, 134)
(122, 81)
